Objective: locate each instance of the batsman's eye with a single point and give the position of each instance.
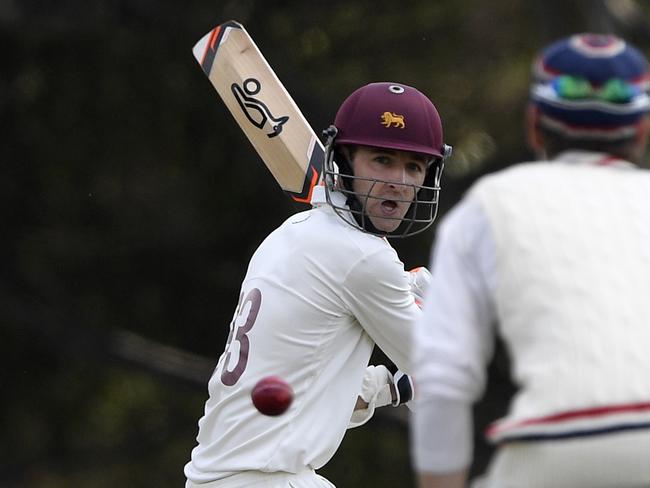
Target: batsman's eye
(245, 316)
(416, 167)
(382, 159)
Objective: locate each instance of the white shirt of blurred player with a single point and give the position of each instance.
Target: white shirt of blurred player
(317, 296)
(556, 253)
(572, 290)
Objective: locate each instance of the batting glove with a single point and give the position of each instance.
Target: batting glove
(375, 391)
(419, 279)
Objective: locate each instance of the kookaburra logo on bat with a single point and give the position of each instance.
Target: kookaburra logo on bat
(255, 110)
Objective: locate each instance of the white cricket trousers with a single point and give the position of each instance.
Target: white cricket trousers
(617, 460)
(258, 479)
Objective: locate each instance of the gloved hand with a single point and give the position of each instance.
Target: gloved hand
(375, 388)
(419, 279)
(376, 392)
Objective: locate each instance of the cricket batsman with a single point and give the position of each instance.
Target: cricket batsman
(320, 292)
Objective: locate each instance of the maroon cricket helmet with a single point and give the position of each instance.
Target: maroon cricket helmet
(391, 116)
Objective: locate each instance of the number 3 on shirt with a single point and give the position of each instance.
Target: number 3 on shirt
(238, 333)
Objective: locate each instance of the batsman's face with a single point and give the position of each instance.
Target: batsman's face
(386, 182)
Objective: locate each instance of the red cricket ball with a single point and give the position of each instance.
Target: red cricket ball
(272, 395)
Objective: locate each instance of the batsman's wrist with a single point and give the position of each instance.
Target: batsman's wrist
(401, 389)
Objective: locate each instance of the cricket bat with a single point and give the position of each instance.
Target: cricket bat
(263, 108)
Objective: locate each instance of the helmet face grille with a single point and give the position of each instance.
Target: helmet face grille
(423, 205)
(420, 216)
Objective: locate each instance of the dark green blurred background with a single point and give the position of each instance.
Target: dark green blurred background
(131, 202)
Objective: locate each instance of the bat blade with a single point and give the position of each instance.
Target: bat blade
(262, 107)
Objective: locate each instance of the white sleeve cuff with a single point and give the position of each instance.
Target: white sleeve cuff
(441, 435)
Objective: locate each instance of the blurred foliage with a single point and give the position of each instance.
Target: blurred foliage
(131, 201)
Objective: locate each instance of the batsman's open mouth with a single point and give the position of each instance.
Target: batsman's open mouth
(388, 207)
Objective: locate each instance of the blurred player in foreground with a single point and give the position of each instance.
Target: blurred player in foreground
(553, 256)
(319, 292)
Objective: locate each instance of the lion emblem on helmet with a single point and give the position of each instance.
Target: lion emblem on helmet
(391, 119)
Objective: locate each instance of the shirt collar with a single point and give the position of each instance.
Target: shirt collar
(339, 201)
(591, 158)
(319, 198)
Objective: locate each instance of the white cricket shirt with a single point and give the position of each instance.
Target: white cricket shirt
(317, 296)
(556, 253)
